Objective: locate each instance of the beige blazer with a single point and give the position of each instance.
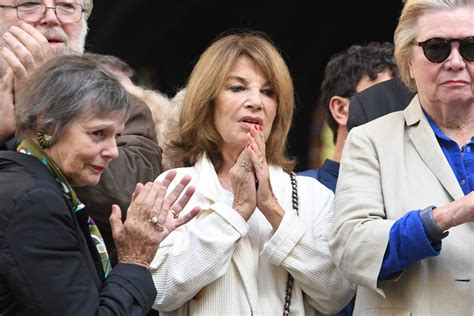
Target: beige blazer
(220, 264)
(391, 166)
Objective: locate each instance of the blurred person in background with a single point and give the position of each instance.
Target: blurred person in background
(165, 110)
(347, 73)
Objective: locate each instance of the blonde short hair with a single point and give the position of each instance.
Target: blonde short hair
(197, 133)
(408, 29)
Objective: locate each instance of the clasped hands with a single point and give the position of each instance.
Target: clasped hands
(250, 180)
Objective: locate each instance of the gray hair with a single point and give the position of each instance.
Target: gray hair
(64, 89)
(87, 4)
(113, 64)
(408, 29)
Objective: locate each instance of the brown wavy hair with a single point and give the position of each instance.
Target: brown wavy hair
(197, 134)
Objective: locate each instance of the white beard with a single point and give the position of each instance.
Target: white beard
(79, 45)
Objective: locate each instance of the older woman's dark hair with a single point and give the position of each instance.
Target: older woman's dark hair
(64, 89)
(198, 134)
(345, 69)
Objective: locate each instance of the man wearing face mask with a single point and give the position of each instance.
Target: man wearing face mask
(32, 32)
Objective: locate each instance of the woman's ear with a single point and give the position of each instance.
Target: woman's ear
(44, 134)
(339, 108)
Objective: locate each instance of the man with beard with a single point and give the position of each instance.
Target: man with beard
(33, 32)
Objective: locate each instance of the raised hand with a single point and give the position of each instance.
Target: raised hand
(455, 213)
(26, 48)
(175, 206)
(7, 119)
(243, 185)
(148, 220)
(267, 203)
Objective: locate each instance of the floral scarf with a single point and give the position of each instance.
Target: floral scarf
(28, 147)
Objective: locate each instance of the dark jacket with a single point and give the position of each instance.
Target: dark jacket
(327, 174)
(48, 262)
(376, 101)
(139, 160)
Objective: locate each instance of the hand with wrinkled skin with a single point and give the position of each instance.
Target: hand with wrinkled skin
(25, 49)
(455, 213)
(243, 186)
(137, 239)
(175, 206)
(267, 203)
(7, 119)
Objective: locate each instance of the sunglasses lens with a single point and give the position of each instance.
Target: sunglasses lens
(467, 49)
(437, 50)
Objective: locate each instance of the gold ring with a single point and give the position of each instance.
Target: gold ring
(175, 214)
(153, 220)
(159, 228)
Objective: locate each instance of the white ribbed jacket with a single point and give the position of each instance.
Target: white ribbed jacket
(219, 264)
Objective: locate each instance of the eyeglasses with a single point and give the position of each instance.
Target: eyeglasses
(33, 11)
(437, 49)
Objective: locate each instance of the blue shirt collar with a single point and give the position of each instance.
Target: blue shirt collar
(435, 128)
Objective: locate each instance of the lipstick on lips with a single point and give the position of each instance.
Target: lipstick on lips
(98, 169)
(251, 120)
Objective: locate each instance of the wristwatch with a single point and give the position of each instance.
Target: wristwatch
(432, 230)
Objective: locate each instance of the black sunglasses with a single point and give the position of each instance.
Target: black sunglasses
(438, 49)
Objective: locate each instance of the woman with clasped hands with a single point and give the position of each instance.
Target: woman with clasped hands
(252, 251)
(52, 258)
(407, 178)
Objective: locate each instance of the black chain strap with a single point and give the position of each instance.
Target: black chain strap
(289, 283)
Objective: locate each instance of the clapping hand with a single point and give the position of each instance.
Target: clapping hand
(7, 119)
(152, 215)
